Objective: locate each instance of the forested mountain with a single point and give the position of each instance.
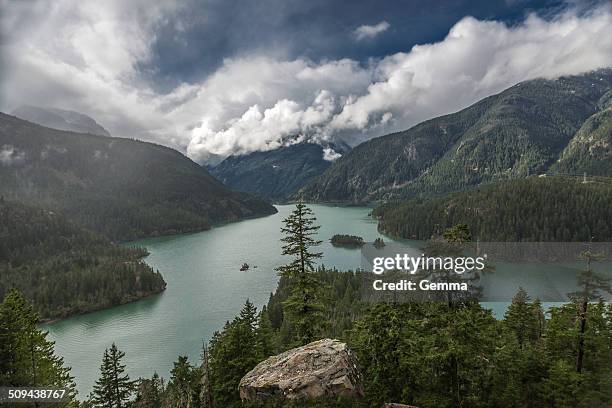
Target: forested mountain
(274, 174)
(121, 188)
(590, 150)
(521, 131)
(533, 209)
(65, 269)
(60, 119)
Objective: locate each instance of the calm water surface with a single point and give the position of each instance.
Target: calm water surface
(205, 288)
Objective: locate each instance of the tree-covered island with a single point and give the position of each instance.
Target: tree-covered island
(347, 241)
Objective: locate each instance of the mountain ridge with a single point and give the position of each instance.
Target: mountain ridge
(520, 131)
(60, 119)
(121, 188)
(274, 174)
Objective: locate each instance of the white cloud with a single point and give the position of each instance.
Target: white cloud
(330, 154)
(86, 59)
(370, 31)
(82, 55)
(10, 156)
(286, 122)
(475, 60)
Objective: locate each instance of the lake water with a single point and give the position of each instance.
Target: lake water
(205, 288)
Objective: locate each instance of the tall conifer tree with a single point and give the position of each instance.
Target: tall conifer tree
(591, 287)
(522, 318)
(206, 400)
(303, 307)
(113, 389)
(184, 385)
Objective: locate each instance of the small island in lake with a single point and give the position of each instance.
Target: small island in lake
(379, 243)
(347, 241)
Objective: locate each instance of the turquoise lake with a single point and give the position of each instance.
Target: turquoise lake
(206, 288)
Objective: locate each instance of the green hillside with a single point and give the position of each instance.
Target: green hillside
(274, 174)
(65, 269)
(521, 131)
(590, 150)
(121, 188)
(533, 209)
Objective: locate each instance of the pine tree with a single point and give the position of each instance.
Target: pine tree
(539, 317)
(522, 318)
(265, 336)
(17, 320)
(245, 337)
(27, 358)
(150, 393)
(303, 307)
(592, 285)
(248, 315)
(113, 389)
(206, 396)
(561, 388)
(233, 353)
(184, 386)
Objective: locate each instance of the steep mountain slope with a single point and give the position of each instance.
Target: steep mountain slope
(121, 188)
(520, 131)
(60, 119)
(534, 209)
(590, 150)
(65, 269)
(274, 174)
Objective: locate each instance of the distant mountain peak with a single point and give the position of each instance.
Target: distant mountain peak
(276, 174)
(60, 119)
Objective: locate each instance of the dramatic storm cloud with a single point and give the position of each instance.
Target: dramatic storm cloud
(103, 59)
(476, 59)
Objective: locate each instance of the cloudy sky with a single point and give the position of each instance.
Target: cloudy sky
(231, 77)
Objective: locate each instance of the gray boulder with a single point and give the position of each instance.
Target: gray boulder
(324, 368)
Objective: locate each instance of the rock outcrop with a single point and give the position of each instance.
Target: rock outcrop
(324, 368)
(394, 405)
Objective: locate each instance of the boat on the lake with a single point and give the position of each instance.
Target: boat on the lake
(244, 267)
